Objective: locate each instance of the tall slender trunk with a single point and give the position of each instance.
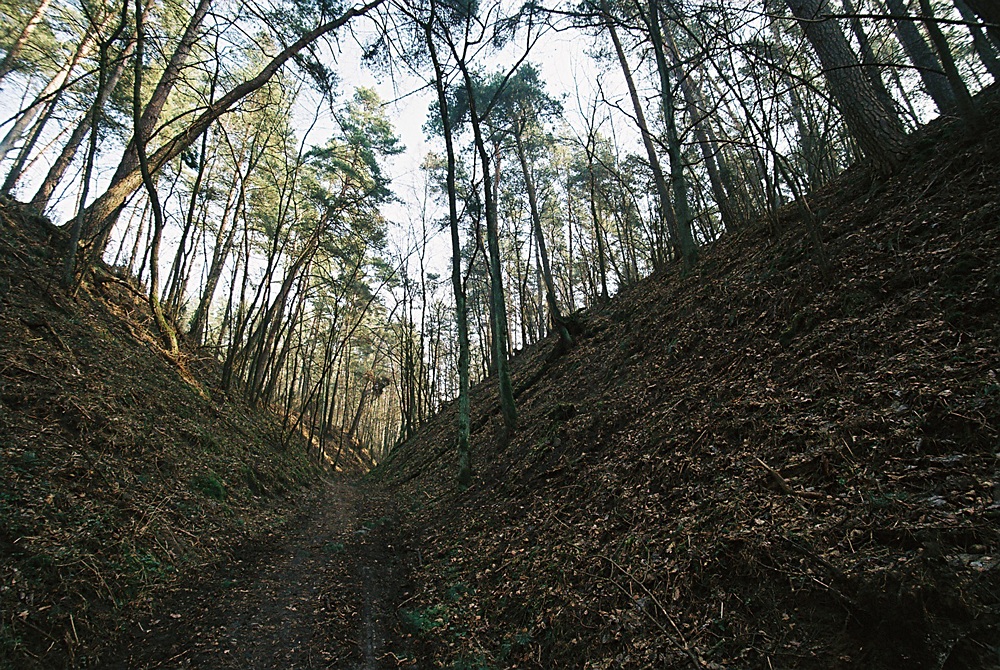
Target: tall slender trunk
(10, 59)
(165, 328)
(665, 210)
(811, 144)
(678, 181)
(988, 11)
(986, 49)
(40, 200)
(543, 255)
(54, 89)
(69, 262)
(498, 303)
(150, 116)
(225, 239)
(175, 295)
(278, 362)
(963, 100)
(873, 69)
(920, 54)
(705, 136)
(22, 155)
(598, 233)
(96, 217)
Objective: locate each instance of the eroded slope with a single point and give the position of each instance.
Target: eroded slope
(121, 473)
(762, 464)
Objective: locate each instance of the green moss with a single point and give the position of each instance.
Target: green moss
(334, 547)
(10, 643)
(456, 591)
(477, 662)
(423, 621)
(801, 323)
(209, 485)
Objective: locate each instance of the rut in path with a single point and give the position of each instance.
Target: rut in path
(322, 597)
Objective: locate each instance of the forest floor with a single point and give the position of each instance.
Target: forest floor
(321, 594)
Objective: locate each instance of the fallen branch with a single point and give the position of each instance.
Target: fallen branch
(786, 488)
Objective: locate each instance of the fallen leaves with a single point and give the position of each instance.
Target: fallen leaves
(708, 459)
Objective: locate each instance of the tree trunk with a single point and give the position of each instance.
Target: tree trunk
(543, 256)
(154, 107)
(984, 47)
(678, 182)
(53, 90)
(879, 133)
(225, 239)
(498, 303)
(69, 263)
(988, 11)
(9, 60)
(963, 99)
(920, 54)
(707, 143)
(873, 69)
(165, 328)
(665, 210)
(40, 200)
(598, 234)
(175, 294)
(22, 155)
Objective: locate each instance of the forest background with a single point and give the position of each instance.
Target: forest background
(360, 211)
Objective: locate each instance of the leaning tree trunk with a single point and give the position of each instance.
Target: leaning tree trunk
(96, 216)
(154, 107)
(40, 200)
(224, 240)
(69, 262)
(878, 132)
(52, 90)
(7, 64)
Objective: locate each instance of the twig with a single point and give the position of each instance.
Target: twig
(172, 658)
(17, 366)
(683, 644)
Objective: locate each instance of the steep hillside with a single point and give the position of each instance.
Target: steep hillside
(761, 464)
(123, 473)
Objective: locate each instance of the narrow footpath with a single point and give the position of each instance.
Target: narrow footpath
(322, 595)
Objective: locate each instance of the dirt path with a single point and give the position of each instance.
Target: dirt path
(322, 596)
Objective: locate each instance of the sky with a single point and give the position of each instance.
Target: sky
(566, 68)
